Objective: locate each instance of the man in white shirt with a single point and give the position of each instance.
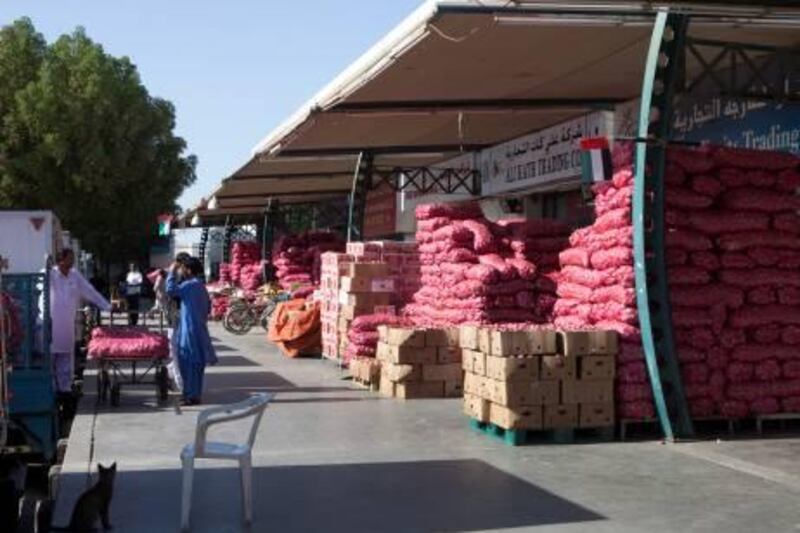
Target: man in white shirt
(133, 291)
(67, 288)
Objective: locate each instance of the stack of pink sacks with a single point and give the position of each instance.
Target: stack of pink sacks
(734, 254)
(219, 306)
(243, 254)
(476, 271)
(251, 276)
(126, 342)
(297, 258)
(225, 274)
(362, 336)
(596, 284)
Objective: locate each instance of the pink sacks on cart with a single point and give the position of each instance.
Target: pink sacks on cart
(127, 342)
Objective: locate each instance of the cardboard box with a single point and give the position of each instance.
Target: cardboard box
(516, 418)
(406, 355)
(442, 337)
(574, 392)
(401, 373)
(540, 342)
(505, 343)
(573, 343)
(448, 354)
(454, 389)
(367, 300)
(419, 390)
(517, 368)
(367, 270)
(560, 416)
(545, 392)
(577, 343)
(350, 285)
(448, 372)
(351, 312)
(596, 367)
(476, 385)
(468, 337)
(484, 341)
(595, 415)
(405, 337)
(387, 387)
(474, 362)
(509, 394)
(558, 367)
(604, 343)
(476, 407)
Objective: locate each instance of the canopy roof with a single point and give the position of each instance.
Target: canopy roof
(460, 75)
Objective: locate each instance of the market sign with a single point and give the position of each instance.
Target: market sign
(542, 158)
(380, 212)
(740, 124)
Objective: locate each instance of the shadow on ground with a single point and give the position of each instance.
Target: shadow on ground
(458, 495)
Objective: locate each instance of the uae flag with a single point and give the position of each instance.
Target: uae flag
(595, 160)
(164, 225)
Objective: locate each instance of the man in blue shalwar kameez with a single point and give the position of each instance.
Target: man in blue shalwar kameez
(195, 350)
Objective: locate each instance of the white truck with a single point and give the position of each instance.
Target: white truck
(27, 238)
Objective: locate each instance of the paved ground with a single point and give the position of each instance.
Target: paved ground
(330, 457)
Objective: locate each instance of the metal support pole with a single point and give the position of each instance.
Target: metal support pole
(203, 245)
(226, 241)
(652, 290)
(267, 240)
(362, 180)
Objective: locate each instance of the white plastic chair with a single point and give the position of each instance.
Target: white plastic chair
(202, 449)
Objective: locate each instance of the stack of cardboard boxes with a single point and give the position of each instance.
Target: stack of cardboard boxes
(371, 278)
(419, 363)
(351, 288)
(532, 380)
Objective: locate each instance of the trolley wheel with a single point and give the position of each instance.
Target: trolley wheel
(162, 384)
(116, 390)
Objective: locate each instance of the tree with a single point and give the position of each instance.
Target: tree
(85, 139)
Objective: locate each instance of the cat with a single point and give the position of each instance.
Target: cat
(94, 504)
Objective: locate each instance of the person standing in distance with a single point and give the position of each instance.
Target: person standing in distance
(133, 291)
(67, 289)
(195, 350)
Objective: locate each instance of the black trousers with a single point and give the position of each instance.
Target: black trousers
(133, 309)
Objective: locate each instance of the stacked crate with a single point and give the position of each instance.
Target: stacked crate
(418, 363)
(333, 267)
(366, 371)
(402, 259)
(539, 379)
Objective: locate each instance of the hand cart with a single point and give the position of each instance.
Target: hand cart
(118, 362)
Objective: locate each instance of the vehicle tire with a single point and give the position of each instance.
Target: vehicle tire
(238, 321)
(162, 384)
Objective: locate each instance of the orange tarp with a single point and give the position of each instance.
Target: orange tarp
(296, 328)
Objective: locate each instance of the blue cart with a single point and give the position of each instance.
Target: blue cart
(33, 412)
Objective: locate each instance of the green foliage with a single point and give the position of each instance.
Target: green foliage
(81, 135)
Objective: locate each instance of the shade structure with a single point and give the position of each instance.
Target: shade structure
(457, 76)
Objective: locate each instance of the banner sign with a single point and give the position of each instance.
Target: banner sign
(541, 158)
(740, 124)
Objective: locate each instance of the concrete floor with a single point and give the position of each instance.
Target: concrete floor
(330, 457)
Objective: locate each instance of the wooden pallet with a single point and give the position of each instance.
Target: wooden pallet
(780, 418)
(517, 437)
(368, 385)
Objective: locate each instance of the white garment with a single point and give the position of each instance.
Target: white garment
(66, 293)
(134, 283)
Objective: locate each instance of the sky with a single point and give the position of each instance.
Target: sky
(234, 70)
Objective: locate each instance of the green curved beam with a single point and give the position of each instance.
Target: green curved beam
(652, 290)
